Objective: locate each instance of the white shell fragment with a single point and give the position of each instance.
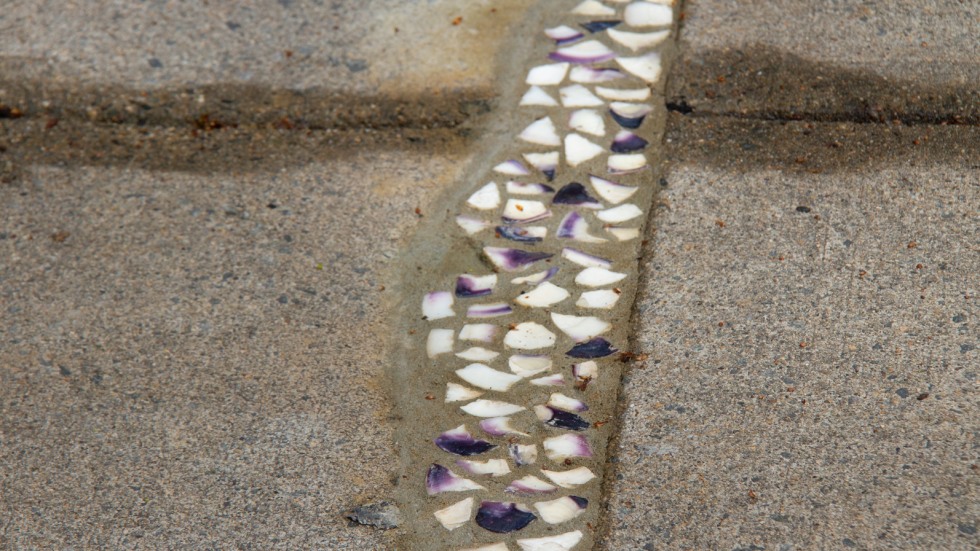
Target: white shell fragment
(440, 341)
(561, 542)
(646, 66)
(605, 299)
(598, 277)
(621, 213)
(584, 74)
(541, 132)
(472, 225)
(536, 96)
(585, 373)
(437, 305)
(545, 162)
(535, 278)
(542, 296)
(530, 485)
(593, 7)
(580, 328)
(519, 188)
(547, 75)
(492, 547)
(491, 408)
(584, 259)
(590, 51)
(563, 34)
(529, 336)
(499, 426)
(577, 95)
(485, 198)
(638, 41)
(454, 516)
(587, 121)
(469, 285)
(441, 479)
(611, 191)
(488, 310)
(565, 446)
(526, 365)
(523, 454)
(560, 510)
(480, 354)
(483, 332)
(579, 150)
(570, 478)
(492, 467)
(511, 168)
(621, 164)
(549, 380)
(624, 234)
(623, 94)
(459, 393)
(646, 14)
(560, 401)
(484, 376)
(525, 210)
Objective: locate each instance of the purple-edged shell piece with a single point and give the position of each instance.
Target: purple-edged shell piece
(590, 51)
(627, 142)
(575, 194)
(599, 26)
(560, 419)
(523, 454)
(488, 310)
(563, 34)
(512, 260)
(503, 518)
(440, 479)
(573, 226)
(629, 115)
(475, 286)
(515, 233)
(460, 442)
(512, 167)
(595, 348)
(592, 75)
(518, 188)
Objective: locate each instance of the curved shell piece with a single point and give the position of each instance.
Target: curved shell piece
(488, 310)
(482, 332)
(595, 348)
(468, 285)
(526, 365)
(454, 516)
(536, 278)
(627, 142)
(491, 408)
(563, 34)
(560, 418)
(503, 517)
(472, 225)
(536, 96)
(598, 277)
(513, 260)
(523, 454)
(629, 115)
(590, 51)
(437, 305)
(623, 94)
(478, 354)
(485, 198)
(580, 328)
(484, 376)
(588, 121)
(499, 426)
(584, 373)
(570, 478)
(593, 7)
(459, 441)
(518, 188)
(621, 213)
(440, 479)
(547, 163)
(591, 75)
(529, 336)
(574, 226)
(456, 392)
(579, 150)
(584, 259)
(541, 132)
(626, 163)
(440, 341)
(542, 296)
(624, 234)
(604, 298)
(611, 191)
(566, 446)
(525, 210)
(547, 75)
(555, 379)
(638, 41)
(500, 546)
(561, 542)
(522, 234)
(562, 509)
(646, 14)
(511, 168)
(577, 95)
(560, 401)
(647, 66)
(574, 193)
(491, 467)
(530, 485)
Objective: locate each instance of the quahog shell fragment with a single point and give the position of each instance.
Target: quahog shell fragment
(491, 408)
(567, 446)
(547, 75)
(530, 485)
(440, 341)
(454, 516)
(561, 542)
(570, 478)
(459, 441)
(529, 336)
(490, 467)
(437, 305)
(562, 509)
(486, 377)
(544, 295)
(439, 479)
(503, 517)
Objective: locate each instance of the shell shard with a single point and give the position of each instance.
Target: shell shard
(491, 408)
(488, 310)
(584, 259)
(440, 341)
(525, 210)
(529, 336)
(555, 379)
(647, 14)
(579, 150)
(598, 277)
(563, 34)
(537, 96)
(604, 298)
(590, 51)
(518, 188)
(647, 67)
(622, 213)
(599, 26)
(577, 95)
(541, 132)
(491, 467)
(574, 226)
(560, 419)
(475, 286)
(629, 115)
(526, 365)
(485, 198)
(627, 142)
(530, 485)
(459, 441)
(625, 163)
(621, 94)
(547, 163)
(574, 193)
(499, 426)
(624, 234)
(637, 41)
(547, 75)
(594, 8)
(595, 348)
(560, 401)
(511, 168)
(611, 191)
(513, 260)
(561, 542)
(456, 392)
(542, 296)
(454, 516)
(523, 454)
(585, 373)
(439, 479)
(588, 121)
(562, 509)
(503, 517)
(590, 75)
(472, 225)
(567, 446)
(492, 547)
(570, 478)
(482, 332)
(536, 278)
(580, 328)
(478, 354)
(437, 305)
(486, 377)
(522, 234)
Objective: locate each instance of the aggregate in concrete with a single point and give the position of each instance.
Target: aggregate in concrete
(812, 336)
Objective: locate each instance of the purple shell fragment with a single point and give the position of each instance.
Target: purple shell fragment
(488, 310)
(560, 419)
(627, 142)
(629, 115)
(503, 518)
(591, 75)
(575, 194)
(515, 233)
(583, 52)
(563, 34)
(512, 260)
(440, 479)
(595, 348)
(460, 442)
(474, 286)
(599, 26)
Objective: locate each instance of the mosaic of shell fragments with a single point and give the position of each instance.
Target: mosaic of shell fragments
(518, 354)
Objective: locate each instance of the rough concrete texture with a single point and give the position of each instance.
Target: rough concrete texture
(811, 325)
(870, 60)
(194, 361)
